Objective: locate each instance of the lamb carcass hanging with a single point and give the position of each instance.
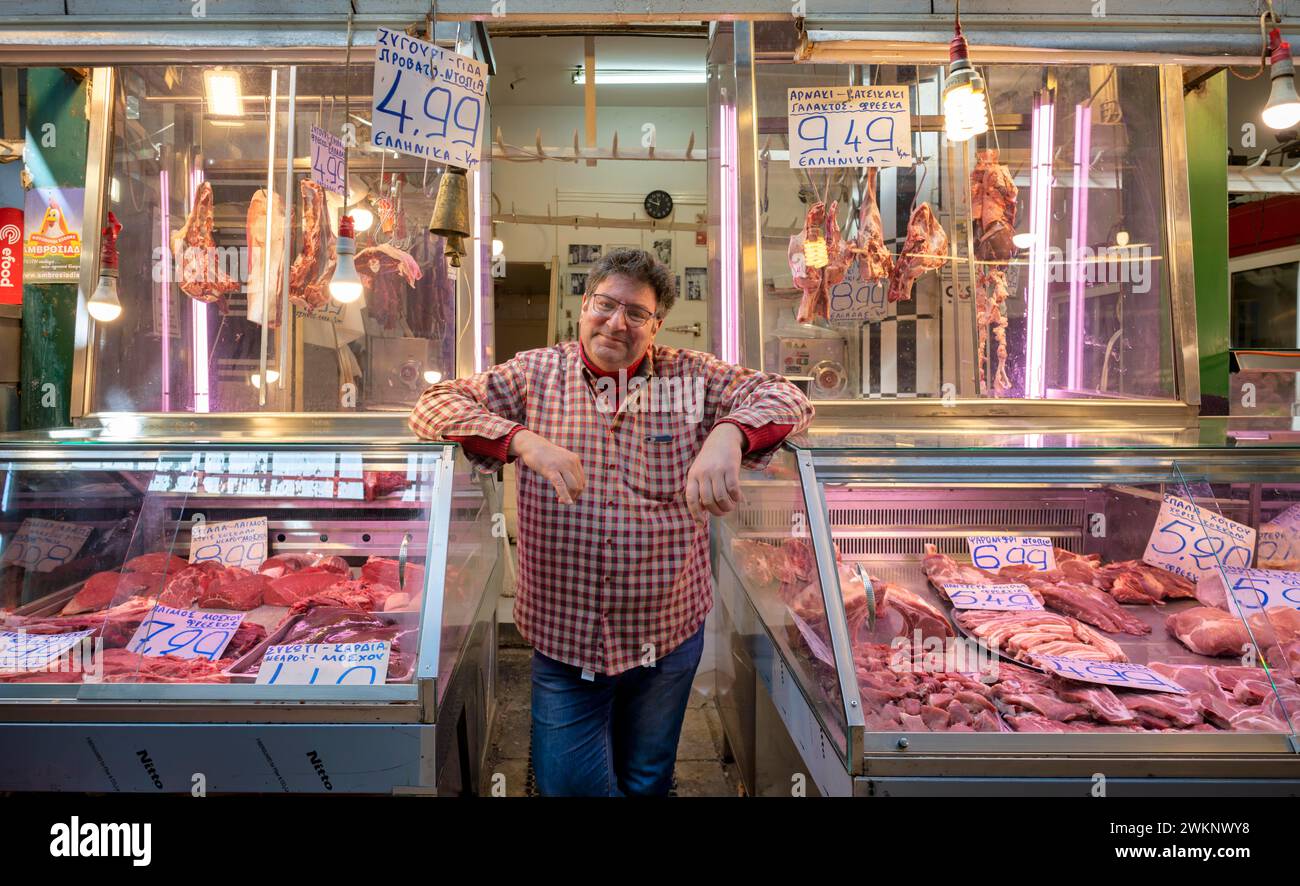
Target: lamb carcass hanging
(196, 253)
(319, 254)
(925, 249)
(257, 246)
(812, 273)
(993, 207)
(874, 260)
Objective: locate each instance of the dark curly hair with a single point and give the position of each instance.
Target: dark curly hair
(640, 266)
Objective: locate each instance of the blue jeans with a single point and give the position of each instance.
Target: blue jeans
(611, 736)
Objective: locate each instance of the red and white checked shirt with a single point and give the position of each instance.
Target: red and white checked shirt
(622, 574)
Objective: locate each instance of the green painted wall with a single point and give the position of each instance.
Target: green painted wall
(50, 309)
(1207, 175)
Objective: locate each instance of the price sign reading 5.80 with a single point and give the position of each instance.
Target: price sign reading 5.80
(427, 102)
(1192, 541)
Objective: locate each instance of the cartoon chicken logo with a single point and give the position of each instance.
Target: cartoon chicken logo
(54, 230)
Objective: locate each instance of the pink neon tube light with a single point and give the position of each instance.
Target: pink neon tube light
(199, 313)
(1040, 223)
(729, 282)
(166, 337)
(1079, 241)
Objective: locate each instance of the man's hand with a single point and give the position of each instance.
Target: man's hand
(558, 465)
(713, 482)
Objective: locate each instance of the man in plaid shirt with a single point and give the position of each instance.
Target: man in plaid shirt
(625, 449)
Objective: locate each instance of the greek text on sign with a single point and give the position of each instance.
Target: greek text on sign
(327, 159)
(1192, 542)
(21, 651)
(185, 633)
(1279, 538)
(1111, 673)
(992, 552)
(427, 102)
(850, 126)
(815, 643)
(232, 542)
(45, 545)
(854, 300)
(1011, 597)
(325, 664)
(1253, 590)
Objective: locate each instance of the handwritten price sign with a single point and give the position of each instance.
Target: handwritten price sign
(45, 545)
(1001, 598)
(1252, 590)
(992, 552)
(20, 651)
(850, 126)
(1279, 538)
(326, 664)
(427, 102)
(327, 160)
(854, 300)
(1193, 542)
(185, 633)
(1123, 674)
(232, 543)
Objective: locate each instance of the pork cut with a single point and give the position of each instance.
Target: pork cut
(1209, 631)
(257, 255)
(1021, 635)
(924, 249)
(1089, 605)
(1133, 581)
(195, 249)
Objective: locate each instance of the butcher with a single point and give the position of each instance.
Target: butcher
(624, 448)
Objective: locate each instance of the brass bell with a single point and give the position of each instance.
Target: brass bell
(453, 250)
(451, 209)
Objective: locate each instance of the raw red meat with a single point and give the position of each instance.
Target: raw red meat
(1165, 708)
(256, 223)
(1209, 631)
(236, 589)
(757, 561)
(332, 624)
(289, 589)
(1021, 635)
(312, 269)
(1133, 581)
(381, 483)
(383, 571)
(925, 249)
(942, 569)
(196, 252)
(159, 562)
(1088, 604)
(1100, 702)
(184, 589)
(918, 614)
(102, 589)
(116, 625)
(283, 564)
(993, 195)
(874, 260)
(247, 635)
(388, 274)
(363, 595)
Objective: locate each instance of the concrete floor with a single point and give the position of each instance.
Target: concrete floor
(700, 769)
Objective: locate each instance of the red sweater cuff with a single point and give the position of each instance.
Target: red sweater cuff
(498, 449)
(761, 438)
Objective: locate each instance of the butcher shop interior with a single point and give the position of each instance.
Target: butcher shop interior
(1045, 522)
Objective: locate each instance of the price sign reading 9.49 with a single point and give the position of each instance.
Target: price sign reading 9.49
(427, 102)
(1192, 541)
(850, 126)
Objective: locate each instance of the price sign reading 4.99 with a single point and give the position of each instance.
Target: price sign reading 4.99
(1192, 541)
(992, 552)
(185, 633)
(427, 102)
(327, 159)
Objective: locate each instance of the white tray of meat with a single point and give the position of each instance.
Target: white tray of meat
(337, 624)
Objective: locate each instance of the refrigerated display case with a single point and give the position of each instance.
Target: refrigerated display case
(107, 541)
(851, 672)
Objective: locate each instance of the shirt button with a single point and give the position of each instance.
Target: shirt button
(609, 541)
(613, 467)
(610, 503)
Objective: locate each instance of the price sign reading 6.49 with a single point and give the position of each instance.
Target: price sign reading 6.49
(427, 102)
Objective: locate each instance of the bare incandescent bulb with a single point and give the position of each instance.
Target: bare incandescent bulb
(345, 287)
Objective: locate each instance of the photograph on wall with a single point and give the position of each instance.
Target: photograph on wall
(583, 253)
(578, 283)
(664, 250)
(696, 278)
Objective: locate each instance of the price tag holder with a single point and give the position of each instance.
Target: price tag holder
(992, 552)
(1254, 590)
(21, 651)
(819, 649)
(1011, 597)
(325, 664)
(833, 126)
(1124, 675)
(427, 102)
(232, 542)
(1193, 542)
(327, 160)
(45, 545)
(185, 633)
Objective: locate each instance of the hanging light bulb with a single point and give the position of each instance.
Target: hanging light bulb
(814, 251)
(1121, 238)
(497, 247)
(965, 106)
(432, 376)
(1023, 240)
(1283, 108)
(362, 219)
(272, 376)
(345, 287)
(103, 304)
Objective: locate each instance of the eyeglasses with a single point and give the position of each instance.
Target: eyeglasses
(604, 306)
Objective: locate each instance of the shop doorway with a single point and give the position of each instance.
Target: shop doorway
(522, 298)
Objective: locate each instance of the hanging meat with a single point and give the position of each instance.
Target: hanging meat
(993, 209)
(874, 260)
(387, 273)
(925, 249)
(312, 269)
(257, 258)
(196, 254)
(816, 282)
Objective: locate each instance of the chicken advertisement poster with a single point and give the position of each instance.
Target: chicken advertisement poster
(11, 256)
(52, 249)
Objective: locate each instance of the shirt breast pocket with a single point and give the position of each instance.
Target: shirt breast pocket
(660, 457)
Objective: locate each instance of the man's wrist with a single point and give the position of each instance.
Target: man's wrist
(730, 431)
(519, 442)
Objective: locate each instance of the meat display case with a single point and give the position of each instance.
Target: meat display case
(808, 703)
(409, 523)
